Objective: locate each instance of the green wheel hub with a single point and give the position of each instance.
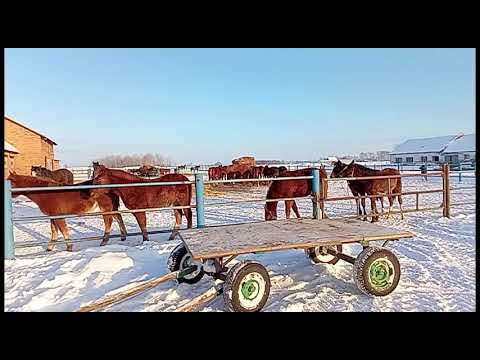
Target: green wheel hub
(381, 273)
(250, 289)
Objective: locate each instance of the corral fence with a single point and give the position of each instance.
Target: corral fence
(317, 197)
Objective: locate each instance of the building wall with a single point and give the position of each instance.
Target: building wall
(33, 149)
(462, 156)
(417, 157)
(8, 163)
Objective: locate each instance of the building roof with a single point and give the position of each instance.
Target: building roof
(10, 148)
(26, 127)
(462, 144)
(435, 144)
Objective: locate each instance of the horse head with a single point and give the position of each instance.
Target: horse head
(338, 166)
(270, 211)
(36, 169)
(348, 170)
(98, 172)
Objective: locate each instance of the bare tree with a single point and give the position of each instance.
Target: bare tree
(135, 160)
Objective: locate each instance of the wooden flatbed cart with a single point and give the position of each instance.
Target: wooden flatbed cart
(246, 285)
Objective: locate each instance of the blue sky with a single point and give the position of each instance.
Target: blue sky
(208, 105)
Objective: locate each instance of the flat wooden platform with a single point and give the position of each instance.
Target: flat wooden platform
(220, 241)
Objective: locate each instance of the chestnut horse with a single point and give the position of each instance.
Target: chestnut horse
(66, 202)
(270, 172)
(377, 186)
(257, 172)
(149, 196)
(62, 176)
(292, 188)
(356, 187)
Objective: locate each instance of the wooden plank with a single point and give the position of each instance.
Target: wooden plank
(207, 296)
(108, 300)
(239, 239)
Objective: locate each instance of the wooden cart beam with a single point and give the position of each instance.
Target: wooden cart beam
(111, 299)
(207, 296)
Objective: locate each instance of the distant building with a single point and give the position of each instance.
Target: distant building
(25, 147)
(451, 149)
(383, 155)
(367, 156)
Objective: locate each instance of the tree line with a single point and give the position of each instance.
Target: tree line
(136, 160)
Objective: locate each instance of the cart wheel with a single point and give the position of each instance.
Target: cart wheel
(376, 271)
(179, 259)
(246, 287)
(319, 255)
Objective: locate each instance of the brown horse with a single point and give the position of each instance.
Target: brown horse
(257, 172)
(63, 176)
(356, 187)
(292, 188)
(148, 196)
(270, 172)
(377, 186)
(54, 203)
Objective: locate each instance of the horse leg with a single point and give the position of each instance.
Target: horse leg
(390, 203)
(400, 204)
(295, 209)
(188, 215)
(363, 202)
(107, 220)
(358, 208)
(121, 224)
(373, 204)
(53, 227)
(142, 222)
(288, 208)
(178, 223)
(62, 225)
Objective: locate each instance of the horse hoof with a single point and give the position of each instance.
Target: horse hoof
(49, 249)
(69, 248)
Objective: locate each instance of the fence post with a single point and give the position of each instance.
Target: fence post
(316, 193)
(8, 234)
(199, 200)
(446, 190)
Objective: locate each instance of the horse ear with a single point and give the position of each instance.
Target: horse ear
(353, 161)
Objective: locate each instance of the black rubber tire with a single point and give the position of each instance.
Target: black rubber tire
(313, 256)
(362, 264)
(233, 283)
(176, 261)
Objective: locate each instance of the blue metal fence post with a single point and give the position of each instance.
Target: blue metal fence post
(8, 235)
(316, 192)
(199, 200)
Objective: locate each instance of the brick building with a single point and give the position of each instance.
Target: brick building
(26, 148)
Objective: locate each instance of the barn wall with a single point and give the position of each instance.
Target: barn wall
(33, 150)
(8, 163)
(47, 153)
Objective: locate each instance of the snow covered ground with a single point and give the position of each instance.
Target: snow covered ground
(438, 265)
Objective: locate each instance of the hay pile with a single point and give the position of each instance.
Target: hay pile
(244, 160)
